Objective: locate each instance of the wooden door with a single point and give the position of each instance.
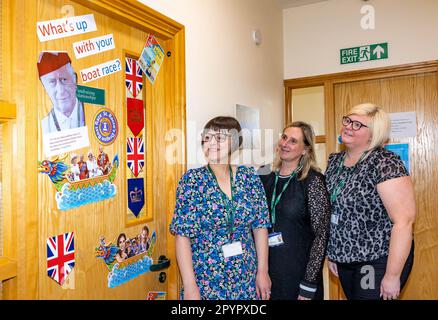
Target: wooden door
(419, 93)
(38, 216)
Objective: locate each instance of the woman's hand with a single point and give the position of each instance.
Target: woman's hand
(192, 292)
(390, 287)
(302, 298)
(263, 285)
(333, 267)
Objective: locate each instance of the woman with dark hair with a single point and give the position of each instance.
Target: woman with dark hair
(121, 243)
(300, 217)
(220, 223)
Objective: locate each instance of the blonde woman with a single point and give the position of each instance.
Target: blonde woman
(373, 209)
(300, 216)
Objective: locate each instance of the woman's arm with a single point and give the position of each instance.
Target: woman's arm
(184, 257)
(398, 198)
(263, 282)
(319, 209)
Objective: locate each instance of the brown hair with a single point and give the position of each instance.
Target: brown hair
(229, 124)
(308, 161)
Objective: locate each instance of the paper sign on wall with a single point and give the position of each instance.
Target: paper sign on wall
(101, 70)
(402, 150)
(65, 27)
(97, 45)
(403, 125)
(65, 141)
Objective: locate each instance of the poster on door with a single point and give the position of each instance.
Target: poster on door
(81, 179)
(127, 257)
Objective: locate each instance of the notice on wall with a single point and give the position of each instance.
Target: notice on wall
(65, 27)
(403, 125)
(402, 150)
(65, 141)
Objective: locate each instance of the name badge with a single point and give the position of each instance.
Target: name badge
(232, 249)
(275, 239)
(335, 219)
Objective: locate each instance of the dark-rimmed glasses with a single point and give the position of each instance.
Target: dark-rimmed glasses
(355, 125)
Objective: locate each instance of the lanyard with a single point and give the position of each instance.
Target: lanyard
(340, 185)
(229, 204)
(276, 199)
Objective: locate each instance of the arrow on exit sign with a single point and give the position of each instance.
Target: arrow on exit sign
(364, 53)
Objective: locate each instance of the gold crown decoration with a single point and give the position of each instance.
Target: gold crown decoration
(136, 195)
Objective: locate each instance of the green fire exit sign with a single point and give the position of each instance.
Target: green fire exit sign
(364, 53)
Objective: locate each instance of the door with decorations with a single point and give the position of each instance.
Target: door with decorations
(103, 86)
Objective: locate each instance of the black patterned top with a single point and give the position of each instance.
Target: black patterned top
(360, 226)
(303, 218)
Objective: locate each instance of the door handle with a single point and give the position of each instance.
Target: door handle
(163, 263)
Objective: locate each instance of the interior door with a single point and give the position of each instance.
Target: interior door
(96, 221)
(417, 93)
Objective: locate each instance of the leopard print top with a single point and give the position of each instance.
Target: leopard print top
(362, 228)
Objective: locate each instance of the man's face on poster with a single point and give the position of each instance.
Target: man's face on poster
(61, 86)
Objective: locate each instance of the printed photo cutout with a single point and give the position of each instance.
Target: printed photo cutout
(65, 121)
(60, 83)
(81, 180)
(60, 257)
(127, 258)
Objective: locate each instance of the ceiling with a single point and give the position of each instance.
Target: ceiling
(296, 3)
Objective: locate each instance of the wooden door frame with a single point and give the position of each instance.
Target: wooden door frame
(329, 81)
(18, 56)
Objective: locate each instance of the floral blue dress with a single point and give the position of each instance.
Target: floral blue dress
(200, 214)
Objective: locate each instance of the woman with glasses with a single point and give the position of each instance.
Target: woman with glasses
(220, 223)
(371, 244)
(300, 217)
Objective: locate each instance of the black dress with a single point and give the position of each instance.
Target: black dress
(303, 218)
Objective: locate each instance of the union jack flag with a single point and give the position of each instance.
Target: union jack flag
(135, 155)
(60, 256)
(134, 77)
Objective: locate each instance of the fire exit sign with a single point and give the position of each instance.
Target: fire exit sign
(364, 53)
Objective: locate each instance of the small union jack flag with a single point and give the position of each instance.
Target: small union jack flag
(134, 77)
(135, 155)
(60, 256)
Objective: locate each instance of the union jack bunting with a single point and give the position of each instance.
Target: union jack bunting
(60, 256)
(135, 155)
(134, 77)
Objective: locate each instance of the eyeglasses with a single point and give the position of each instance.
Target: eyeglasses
(220, 137)
(355, 125)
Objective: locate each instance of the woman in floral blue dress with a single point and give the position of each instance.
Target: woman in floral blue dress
(220, 223)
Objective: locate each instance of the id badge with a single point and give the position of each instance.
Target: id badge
(335, 218)
(232, 249)
(275, 239)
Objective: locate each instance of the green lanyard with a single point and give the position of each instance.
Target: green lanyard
(229, 204)
(338, 188)
(275, 200)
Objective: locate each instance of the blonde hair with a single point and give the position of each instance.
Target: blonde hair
(379, 125)
(308, 160)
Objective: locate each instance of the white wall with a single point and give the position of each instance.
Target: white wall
(223, 66)
(314, 34)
